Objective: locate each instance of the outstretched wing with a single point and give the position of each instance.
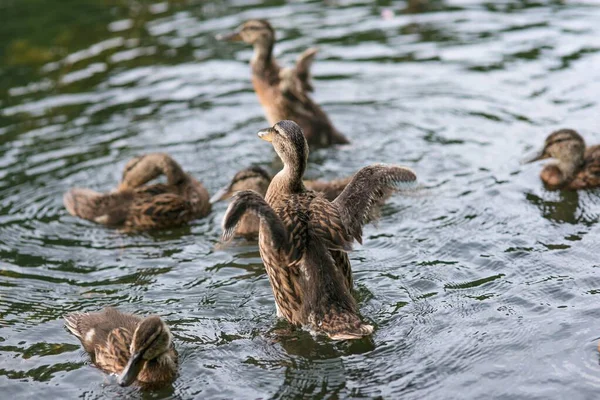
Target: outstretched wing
(292, 89)
(327, 223)
(369, 185)
(303, 64)
(250, 201)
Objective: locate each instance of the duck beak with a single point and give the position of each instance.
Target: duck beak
(221, 194)
(541, 155)
(266, 134)
(230, 37)
(131, 370)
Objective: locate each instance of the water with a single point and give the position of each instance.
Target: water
(481, 284)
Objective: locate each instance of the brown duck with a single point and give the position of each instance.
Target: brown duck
(137, 206)
(284, 92)
(257, 179)
(304, 238)
(576, 166)
(137, 350)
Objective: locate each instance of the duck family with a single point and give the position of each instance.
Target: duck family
(305, 228)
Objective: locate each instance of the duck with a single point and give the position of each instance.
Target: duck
(304, 238)
(257, 179)
(284, 93)
(137, 206)
(576, 166)
(138, 350)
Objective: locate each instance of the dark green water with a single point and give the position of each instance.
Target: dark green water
(481, 284)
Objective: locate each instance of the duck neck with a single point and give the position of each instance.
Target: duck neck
(570, 167)
(150, 167)
(288, 180)
(262, 61)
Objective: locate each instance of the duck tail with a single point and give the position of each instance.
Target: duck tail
(250, 201)
(329, 303)
(338, 138)
(82, 203)
(107, 209)
(345, 326)
(72, 323)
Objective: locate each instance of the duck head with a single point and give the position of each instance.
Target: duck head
(253, 178)
(151, 339)
(290, 144)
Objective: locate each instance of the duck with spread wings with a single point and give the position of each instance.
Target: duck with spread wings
(304, 238)
(284, 92)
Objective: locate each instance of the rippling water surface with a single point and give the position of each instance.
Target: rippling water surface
(481, 284)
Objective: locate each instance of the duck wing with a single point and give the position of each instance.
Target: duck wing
(589, 176)
(303, 64)
(592, 160)
(93, 329)
(368, 186)
(327, 225)
(250, 201)
(114, 355)
(161, 210)
(292, 89)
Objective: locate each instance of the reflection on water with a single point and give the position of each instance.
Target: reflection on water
(481, 284)
(562, 210)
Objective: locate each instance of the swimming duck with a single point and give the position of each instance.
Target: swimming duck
(577, 167)
(137, 350)
(304, 238)
(257, 179)
(136, 206)
(284, 92)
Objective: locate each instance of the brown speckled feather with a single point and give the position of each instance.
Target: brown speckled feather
(136, 206)
(108, 335)
(367, 188)
(284, 92)
(257, 179)
(330, 189)
(589, 175)
(306, 258)
(112, 357)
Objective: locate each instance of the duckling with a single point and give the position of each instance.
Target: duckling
(577, 167)
(137, 350)
(304, 238)
(136, 206)
(257, 179)
(284, 92)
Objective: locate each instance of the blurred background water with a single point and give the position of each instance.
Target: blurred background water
(481, 284)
